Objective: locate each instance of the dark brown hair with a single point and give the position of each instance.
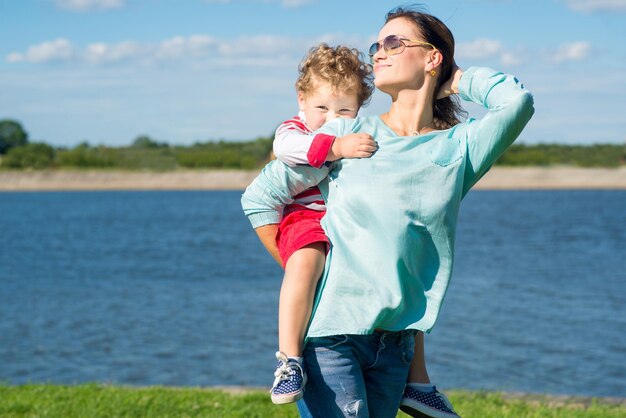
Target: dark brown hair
(342, 67)
(446, 112)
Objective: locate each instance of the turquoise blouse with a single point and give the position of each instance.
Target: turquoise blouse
(391, 218)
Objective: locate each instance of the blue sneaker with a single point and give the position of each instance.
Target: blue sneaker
(426, 404)
(290, 380)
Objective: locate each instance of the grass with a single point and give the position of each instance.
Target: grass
(94, 400)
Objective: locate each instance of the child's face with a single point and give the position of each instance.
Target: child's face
(323, 105)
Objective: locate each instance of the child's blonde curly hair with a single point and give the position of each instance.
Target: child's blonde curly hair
(341, 67)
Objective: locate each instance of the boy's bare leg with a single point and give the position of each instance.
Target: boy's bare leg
(417, 371)
(297, 292)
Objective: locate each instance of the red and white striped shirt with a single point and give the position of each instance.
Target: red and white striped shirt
(294, 144)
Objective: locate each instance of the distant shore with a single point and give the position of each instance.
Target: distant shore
(498, 178)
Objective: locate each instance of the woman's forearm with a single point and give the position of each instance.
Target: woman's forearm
(273, 188)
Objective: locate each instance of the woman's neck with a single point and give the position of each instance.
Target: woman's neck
(411, 114)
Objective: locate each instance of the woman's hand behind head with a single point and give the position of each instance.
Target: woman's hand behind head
(451, 86)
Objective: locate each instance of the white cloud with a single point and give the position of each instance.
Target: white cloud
(15, 57)
(259, 50)
(100, 52)
(486, 49)
(88, 5)
(171, 48)
(262, 45)
(297, 3)
(511, 59)
(199, 45)
(574, 51)
(284, 3)
(57, 50)
(479, 48)
(195, 46)
(597, 5)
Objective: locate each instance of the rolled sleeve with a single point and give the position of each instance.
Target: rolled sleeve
(264, 199)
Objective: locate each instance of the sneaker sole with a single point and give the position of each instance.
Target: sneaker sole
(413, 412)
(283, 399)
(427, 413)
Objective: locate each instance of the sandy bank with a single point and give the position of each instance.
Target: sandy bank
(553, 178)
(501, 178)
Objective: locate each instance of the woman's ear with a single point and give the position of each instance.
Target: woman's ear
(435, 58)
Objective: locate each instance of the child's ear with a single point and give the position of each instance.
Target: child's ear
(301, 101)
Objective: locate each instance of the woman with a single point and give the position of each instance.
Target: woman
(391, 219)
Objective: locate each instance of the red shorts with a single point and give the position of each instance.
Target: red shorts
(298, 229)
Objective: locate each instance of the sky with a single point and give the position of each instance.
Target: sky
(108, 71)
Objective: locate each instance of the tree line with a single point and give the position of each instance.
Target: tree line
(145, 153)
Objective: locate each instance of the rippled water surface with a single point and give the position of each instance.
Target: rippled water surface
(173, 288)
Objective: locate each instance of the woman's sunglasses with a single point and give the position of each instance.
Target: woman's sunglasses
(394, 45)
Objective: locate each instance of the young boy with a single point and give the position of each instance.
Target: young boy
(332, 82)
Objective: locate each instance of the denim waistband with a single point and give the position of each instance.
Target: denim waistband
(393, 335)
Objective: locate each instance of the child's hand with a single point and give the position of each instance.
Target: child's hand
(352, 146)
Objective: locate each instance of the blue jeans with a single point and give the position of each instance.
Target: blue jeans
(356, 375)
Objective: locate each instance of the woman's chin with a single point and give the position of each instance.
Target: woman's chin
(386, 88)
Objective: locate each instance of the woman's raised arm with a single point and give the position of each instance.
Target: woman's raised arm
(510, 108)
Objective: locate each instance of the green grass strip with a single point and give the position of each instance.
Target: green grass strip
(95, 400)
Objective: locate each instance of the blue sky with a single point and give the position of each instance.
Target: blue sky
(106, 71)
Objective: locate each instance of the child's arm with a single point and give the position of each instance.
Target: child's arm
(267, 235)
(294, 145)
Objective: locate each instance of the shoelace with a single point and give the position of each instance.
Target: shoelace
(284, 372)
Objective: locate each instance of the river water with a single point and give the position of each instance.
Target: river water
(173, 288)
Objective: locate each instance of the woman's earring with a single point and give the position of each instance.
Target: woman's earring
(433, 73)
